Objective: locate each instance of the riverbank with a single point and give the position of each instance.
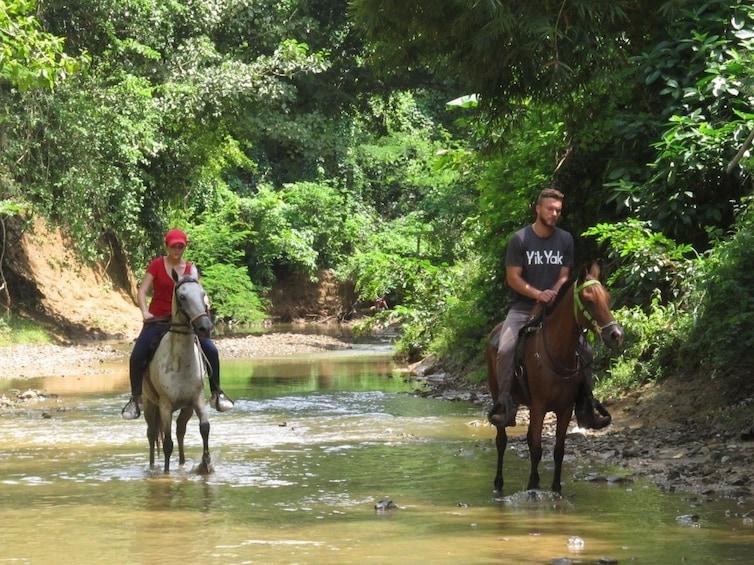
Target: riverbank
(657, 433)
(28, 361)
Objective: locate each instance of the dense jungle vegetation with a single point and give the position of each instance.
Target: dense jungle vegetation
(399, 144)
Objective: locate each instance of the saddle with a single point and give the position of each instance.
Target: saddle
(584, 400)
(531, 327)
(164, 324)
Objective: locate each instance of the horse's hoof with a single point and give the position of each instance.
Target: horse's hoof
(601, 422)
(203, 469)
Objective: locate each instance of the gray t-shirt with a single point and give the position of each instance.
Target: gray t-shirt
(540, 259)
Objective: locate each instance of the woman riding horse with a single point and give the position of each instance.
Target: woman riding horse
(157, 318)
(175, 377)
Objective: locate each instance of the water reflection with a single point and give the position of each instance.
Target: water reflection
(313, 444)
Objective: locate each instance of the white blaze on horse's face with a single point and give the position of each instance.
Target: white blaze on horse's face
(191, 306)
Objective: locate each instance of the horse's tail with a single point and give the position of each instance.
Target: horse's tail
(160, 433)
(159, 440)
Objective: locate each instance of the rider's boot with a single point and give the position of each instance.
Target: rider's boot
(503, 413)
(132, 409)
(602, 417)
(584, 412)
(590, 413)
(220, 401)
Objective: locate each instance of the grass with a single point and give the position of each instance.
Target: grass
(15, 331)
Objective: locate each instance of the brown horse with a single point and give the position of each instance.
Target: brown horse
(552, 373)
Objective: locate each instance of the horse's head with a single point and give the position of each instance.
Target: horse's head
(592, 308)
(190, 306)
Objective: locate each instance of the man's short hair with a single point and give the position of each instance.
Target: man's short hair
(550, 193)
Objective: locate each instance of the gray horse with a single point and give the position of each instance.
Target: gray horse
(175, 376)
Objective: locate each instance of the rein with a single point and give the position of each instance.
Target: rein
(562, 371)
(189, 321)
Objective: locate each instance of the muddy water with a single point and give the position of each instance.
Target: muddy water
(313, 444)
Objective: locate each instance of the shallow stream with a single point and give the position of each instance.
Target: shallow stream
(313, 444)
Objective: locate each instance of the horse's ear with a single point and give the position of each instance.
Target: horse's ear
(583, 272)
(594, 270)
(174, 275)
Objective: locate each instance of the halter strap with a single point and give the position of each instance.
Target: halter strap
(189, 321)
(578, 306)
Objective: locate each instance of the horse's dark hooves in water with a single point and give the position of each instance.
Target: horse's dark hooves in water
(204, 468)
(554, 374)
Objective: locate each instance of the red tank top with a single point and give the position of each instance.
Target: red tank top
(162, 287)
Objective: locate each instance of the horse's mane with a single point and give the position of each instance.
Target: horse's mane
(575, 276)
(186, 279)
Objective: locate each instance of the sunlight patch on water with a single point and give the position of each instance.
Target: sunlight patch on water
(320, 405)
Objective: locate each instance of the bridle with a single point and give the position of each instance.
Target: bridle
(579, 308)
(561, 371)
(186, 327)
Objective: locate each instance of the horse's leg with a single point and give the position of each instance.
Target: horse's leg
(501, 442)
(501, 439)
(166, 417)
(534, 440)
(206, 466)
(150, 415)
(564, 416)
(180, 432)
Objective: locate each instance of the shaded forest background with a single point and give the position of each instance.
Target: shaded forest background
(394, 147)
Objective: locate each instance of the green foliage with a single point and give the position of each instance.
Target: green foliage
(708, 326)
(15, 330)
(233, 298)
(699, 74)
(651, 348)
(644, 262)
(394, 263)
(93, 145)
(505, 50)
(462, 325)
(30, 58)
(722, 305)
(321, 212)
(220, 237)
(273, 243)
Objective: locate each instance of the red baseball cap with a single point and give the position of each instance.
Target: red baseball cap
(175, 236)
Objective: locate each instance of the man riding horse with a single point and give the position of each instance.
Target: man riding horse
(538, 261)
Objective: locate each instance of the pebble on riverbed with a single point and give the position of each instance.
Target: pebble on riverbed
(384, 505)
(14, 397)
